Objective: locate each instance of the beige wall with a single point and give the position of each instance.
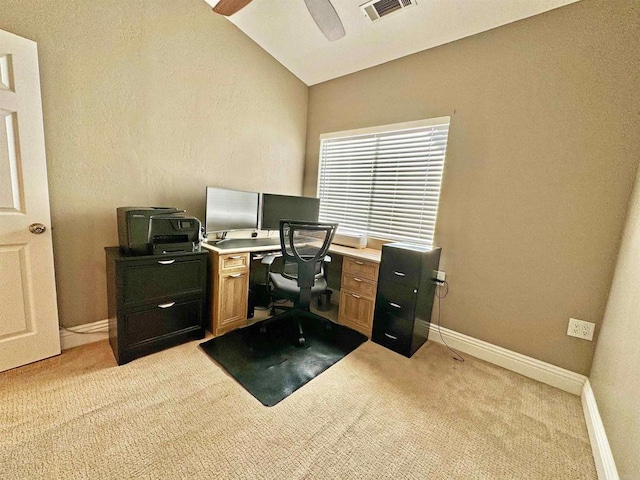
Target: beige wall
(615, 375)
(145, 103)
(543, 147)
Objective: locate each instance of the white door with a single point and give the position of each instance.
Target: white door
(28, 310)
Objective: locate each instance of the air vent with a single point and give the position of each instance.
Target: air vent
(376, 9)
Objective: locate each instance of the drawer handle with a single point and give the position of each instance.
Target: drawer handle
(236, 275)
(358, 262)
(400, 274)
(390, 336)
(235, 257)
(354, 295)
(166, 262)
(394, 305)
(357, 279)
(166, 305)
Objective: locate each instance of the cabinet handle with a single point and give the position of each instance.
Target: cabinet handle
(354, 295)
(358, 262)
(390, 336)
(394, 305)
(166, 262)
(235, 257)
(236, 275)
(166, 305)
(400, 274)
(357, 279)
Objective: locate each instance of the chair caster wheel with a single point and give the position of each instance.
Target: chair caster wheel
(300, 341)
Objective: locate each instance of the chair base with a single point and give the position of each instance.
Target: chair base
(295, 312)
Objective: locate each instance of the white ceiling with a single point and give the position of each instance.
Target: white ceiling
(285, 29)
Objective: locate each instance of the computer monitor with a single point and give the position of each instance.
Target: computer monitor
(231, 210)
(278, 207)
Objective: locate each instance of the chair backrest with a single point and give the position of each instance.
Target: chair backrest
(304, 246)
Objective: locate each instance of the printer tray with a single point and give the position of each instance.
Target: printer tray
(175, 247)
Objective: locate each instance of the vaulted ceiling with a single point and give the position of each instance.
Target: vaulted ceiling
(285, 29)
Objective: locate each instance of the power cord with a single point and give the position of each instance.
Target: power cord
(439, 284)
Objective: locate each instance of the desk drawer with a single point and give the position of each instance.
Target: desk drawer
(233, 261)
(361, 286)
(356, 309)
(160, 278)
(360, 268)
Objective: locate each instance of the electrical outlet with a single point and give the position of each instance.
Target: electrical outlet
(581, 329)
(440, 275)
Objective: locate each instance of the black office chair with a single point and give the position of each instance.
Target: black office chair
(304, 247)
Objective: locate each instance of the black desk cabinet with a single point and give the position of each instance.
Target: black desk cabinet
(405, 297)
(154, 301)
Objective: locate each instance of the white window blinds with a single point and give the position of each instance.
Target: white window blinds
(384, 181)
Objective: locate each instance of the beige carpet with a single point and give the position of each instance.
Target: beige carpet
(375, 414)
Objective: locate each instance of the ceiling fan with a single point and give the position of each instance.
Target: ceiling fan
(322, 12)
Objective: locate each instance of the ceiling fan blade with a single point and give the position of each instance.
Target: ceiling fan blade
(325, 16)
(229, 7)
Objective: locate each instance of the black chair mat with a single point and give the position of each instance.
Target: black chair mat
(270, 365)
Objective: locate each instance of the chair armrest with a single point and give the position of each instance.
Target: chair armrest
(269, 258)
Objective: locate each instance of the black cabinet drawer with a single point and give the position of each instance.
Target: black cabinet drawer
(398, 297)
(161, 278)
(400, 265)
(392, 331)
(154, 321)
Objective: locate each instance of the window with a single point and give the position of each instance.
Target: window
(384, 181)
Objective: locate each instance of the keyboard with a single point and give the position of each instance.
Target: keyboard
(247, 242)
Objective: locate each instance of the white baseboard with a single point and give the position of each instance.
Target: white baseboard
(529, 367)
(605, 465)
(87, 333)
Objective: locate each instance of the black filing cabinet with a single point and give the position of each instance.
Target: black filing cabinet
(405, 296)
(154, 301)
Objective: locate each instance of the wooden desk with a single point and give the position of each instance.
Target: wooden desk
(358, 286)
(229, 286)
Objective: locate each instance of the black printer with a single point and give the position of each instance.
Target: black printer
(157, 230)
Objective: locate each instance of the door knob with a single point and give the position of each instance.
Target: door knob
(37, 228)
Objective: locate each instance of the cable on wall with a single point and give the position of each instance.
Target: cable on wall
(456, 355)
